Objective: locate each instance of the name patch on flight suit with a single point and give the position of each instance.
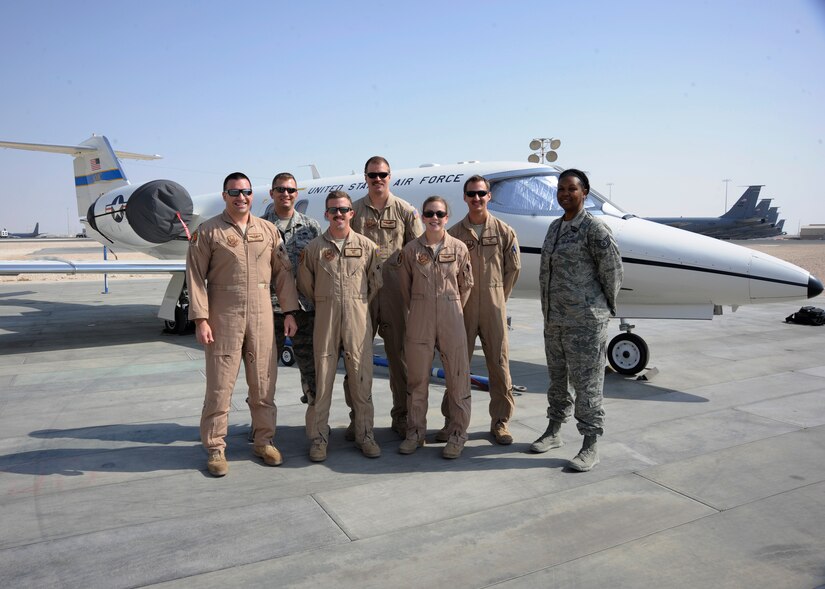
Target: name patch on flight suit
(423, 258)
(231, 240)
(352, 252)
(371, 223)
(387, 223)
(470, 243)
(254, 237)
(446, 257)
(329, 254)
(489, 240)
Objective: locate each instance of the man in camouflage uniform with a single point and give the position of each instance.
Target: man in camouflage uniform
(391, 223)
(579, 279)
(296, 230)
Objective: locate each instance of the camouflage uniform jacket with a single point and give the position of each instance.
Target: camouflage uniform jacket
(299, 232)
(580, 273)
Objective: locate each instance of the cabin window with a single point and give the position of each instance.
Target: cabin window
(532, 195)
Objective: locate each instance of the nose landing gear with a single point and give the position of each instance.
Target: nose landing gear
(627, 353)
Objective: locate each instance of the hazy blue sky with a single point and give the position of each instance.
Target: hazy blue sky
(662, 99)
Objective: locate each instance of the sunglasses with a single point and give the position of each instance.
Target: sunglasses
(374, 175)
(283, 189)
(342, 210)
(431, 214)
(237, 191)
(477, 193)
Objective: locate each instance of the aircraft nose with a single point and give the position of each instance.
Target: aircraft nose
(814, 287)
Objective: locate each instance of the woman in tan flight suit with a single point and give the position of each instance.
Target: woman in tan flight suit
(436, 279)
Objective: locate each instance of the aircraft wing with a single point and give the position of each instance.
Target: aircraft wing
(59, 266)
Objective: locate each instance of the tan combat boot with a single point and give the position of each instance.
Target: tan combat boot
(216, 464)
(269, 453)
(410, 445)
(501, 433)
(369, 447)
(318, 450)
(453, 448)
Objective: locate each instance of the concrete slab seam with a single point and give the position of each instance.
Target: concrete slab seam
(327, 510)
(681, 493)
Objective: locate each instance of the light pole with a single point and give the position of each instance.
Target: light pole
(546, 147)
(726, 180)
(610, 190)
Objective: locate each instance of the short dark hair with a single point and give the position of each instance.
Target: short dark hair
(436, 198)
(283, 176)
(337, 194)
(477, 178)
(376, 159)
(576, 174)
(236, 176)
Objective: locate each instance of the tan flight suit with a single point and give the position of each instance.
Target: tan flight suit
(393, 227)
(496, 265)
(228, 273)
(434, 288)
(341, 284)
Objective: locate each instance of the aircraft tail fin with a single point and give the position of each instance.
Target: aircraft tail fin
(745, 206)
(97, 168)
(761, 211)
(36, 230)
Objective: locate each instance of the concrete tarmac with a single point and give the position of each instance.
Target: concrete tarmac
(712, 471)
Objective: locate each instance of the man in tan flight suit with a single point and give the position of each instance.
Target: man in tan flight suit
(232, 259)
(391, 223)
(340, 271)
(494, 256)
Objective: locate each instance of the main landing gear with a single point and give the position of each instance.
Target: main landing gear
(180, 324)
(627, 353)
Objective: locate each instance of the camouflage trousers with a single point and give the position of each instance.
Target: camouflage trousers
(301, 345)
(576, 360)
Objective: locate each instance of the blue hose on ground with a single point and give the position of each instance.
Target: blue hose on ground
(480, 382)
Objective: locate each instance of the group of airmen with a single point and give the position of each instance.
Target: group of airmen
(376, 268)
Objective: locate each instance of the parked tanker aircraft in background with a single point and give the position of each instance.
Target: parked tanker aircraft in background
(746, 219)
(34, 233)
(668, 273)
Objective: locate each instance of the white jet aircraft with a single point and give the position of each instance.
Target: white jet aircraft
(668, 273)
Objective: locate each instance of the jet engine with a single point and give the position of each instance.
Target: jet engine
(142, 216)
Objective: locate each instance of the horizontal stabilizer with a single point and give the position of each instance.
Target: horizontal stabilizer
(74, 150)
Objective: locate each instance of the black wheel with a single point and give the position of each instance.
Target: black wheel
(628, 353)
(287, 356)
(180, 323)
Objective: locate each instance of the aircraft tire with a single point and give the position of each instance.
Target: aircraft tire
(628, 353)
(287, 356)
(180, 323)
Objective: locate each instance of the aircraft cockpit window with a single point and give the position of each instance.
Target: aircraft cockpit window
(532, 195)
